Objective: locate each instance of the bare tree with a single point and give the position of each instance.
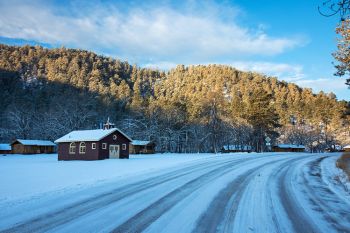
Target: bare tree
(342, 8)
(19, 123)
(335, 7)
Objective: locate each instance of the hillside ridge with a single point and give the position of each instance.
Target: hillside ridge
(48, 92)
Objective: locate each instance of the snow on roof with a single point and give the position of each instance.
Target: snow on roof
(285, 146)
(88, 135)
(346, 147)
(140, 143)
(5, 147)
(35, 142)
(237, 147)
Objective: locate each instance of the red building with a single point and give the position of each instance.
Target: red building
(93, 145)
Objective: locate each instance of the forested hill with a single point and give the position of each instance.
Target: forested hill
(46, 93)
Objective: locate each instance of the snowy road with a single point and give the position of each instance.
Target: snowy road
(228, 193)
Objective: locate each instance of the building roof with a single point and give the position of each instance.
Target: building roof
(290, 146)
(237, 147)
(89, 135)
(140, 143)
(34, 142)
(346, 147)
(5, 147)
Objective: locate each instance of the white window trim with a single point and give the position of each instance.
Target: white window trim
(93, 145)
(104, 146)
(71, 151)
(81, 146)
(123, 146)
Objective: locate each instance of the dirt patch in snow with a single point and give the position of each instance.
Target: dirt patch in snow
(344, 163)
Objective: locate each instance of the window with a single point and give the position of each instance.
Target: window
(93, 145)
(72, 147)
(114, 137)
(82, 148)
(123, 146)
(104, 145)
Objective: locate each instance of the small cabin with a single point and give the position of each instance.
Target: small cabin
(97, 144)
(288, 148)
(236, 148)
(22, 146)
(346, 148)
(5, 149)
(142, 147)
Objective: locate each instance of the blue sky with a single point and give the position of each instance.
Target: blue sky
(287, 39)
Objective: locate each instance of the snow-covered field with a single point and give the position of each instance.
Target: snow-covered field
(270, 192)
(24, 176)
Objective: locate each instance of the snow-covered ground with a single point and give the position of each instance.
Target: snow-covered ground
(270, 192)
(25, 176)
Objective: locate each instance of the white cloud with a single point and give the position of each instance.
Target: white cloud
(335, 85)
(141, 34)
(283, 71)
(159, 36)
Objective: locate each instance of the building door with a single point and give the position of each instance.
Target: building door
(114, 151)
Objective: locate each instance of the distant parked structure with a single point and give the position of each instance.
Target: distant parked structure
(142, 147)
(288, 148)
(334, 148)
(236, 148)
(5, 149)
(22, 146)
(346, 148)
(94, 144)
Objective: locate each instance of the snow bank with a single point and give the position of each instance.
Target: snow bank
(335, 178)
(23, 176)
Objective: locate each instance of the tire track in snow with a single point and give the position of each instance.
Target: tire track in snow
(147, 216)
(78, 209)
(50, 220)
(282, 176)
(221, 213)
(280, 225)
(301, 222)
(227, 223)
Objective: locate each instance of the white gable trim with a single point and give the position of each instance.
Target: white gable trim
(89, 135)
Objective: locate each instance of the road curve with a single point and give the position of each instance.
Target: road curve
(281, 192)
